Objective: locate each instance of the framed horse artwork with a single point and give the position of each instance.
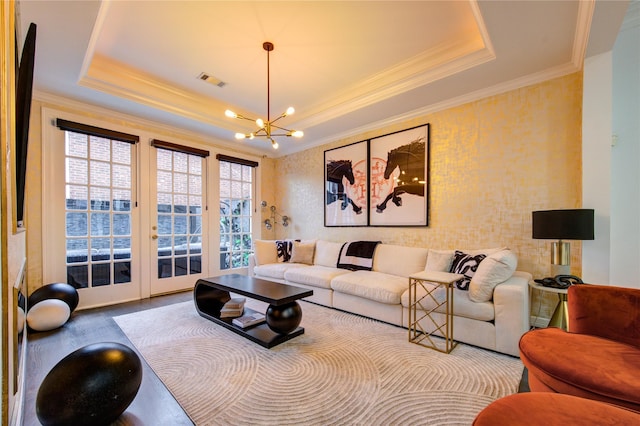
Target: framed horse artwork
(346, 198)
(399, 178)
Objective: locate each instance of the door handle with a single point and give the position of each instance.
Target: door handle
(154, 237)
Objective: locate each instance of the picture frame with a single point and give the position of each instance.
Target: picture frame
(346, 177)
(399, 178)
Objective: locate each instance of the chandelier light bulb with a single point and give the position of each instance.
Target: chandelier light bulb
(240, 136)
(251, 135)
(274, 144)
(260, 123)
(297, 134)
(289, 111)
(230, 114)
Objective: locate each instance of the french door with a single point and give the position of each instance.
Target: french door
(122, 220)
(89, 214)
(178, 218)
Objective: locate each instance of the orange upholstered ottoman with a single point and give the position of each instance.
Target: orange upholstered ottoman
(582, 365)
(550, 409)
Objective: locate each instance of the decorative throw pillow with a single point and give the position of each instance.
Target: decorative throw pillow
(466, 265)
(264, 252)
(327, 253)
(283, 248)
(302, 252)
(439, 260)
(495, 269)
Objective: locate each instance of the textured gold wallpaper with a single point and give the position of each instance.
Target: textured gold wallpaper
(492, 162)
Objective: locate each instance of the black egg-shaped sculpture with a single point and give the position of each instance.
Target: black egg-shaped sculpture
(285, 318)
(62, 291)
(92, 386)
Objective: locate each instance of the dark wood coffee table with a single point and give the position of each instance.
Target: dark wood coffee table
(282, 317)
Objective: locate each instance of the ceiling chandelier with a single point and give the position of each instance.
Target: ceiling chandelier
(265, 128)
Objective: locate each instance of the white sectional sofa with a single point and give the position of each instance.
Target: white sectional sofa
(493, 313)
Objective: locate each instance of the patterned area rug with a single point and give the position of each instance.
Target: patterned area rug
(345, 369)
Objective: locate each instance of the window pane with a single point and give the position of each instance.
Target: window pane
(121, 224)
(100, 274)
(76, 198)
(180, 183)
(180, 162)
(195, 165)
(164, 246)
(164, 202)
(164, 159)
(236, 171)
(76, 145)
(121, 200)
(195, 264)
(100, 198)
(121, 152)
(181, 266)
(77, 250)
(100, 148)
(100, 173)
(76, 224)
(164, 224)
(122, 248)
(76, 171)
(165, 181)
(195, 245)
(78, 276)
(100, 224)
(180, 246)
(122, 272)
(180, 203)
(121, 176)
(100, 249)
(164, 268)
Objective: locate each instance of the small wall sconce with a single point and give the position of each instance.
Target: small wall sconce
(273, 220)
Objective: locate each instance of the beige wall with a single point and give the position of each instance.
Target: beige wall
(493, 162)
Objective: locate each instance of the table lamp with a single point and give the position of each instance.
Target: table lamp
(571, 224)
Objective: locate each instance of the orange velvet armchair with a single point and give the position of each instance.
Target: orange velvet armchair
(599, 357)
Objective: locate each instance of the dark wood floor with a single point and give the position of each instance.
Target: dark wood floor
(153, 405)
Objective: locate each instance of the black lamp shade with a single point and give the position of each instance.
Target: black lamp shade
(572, 224)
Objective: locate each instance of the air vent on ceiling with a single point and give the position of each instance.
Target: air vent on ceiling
(211, 79)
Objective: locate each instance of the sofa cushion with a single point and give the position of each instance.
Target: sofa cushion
(315, 276)
(327, 253)
(275, 270)
(467, 265)
(493, 270)
(399, 260)
(462, 305)
(377, 286)
(265, 252)
(439, 260)
(302, 252)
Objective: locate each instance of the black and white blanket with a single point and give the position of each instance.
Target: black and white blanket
(357, 255)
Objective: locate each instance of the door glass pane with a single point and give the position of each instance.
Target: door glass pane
(236, 191)
(179, 219)
(102, 185)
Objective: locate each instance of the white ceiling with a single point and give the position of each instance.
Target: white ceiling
(346, 66)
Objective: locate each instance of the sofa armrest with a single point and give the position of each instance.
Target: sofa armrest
(252, 264)
(605, 311)
(511, 304)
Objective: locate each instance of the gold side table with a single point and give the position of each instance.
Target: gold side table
(560, 317)
(427, 304)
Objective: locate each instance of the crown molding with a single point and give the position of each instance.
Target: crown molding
(51, 100)
(581, 36)
(497, 89)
